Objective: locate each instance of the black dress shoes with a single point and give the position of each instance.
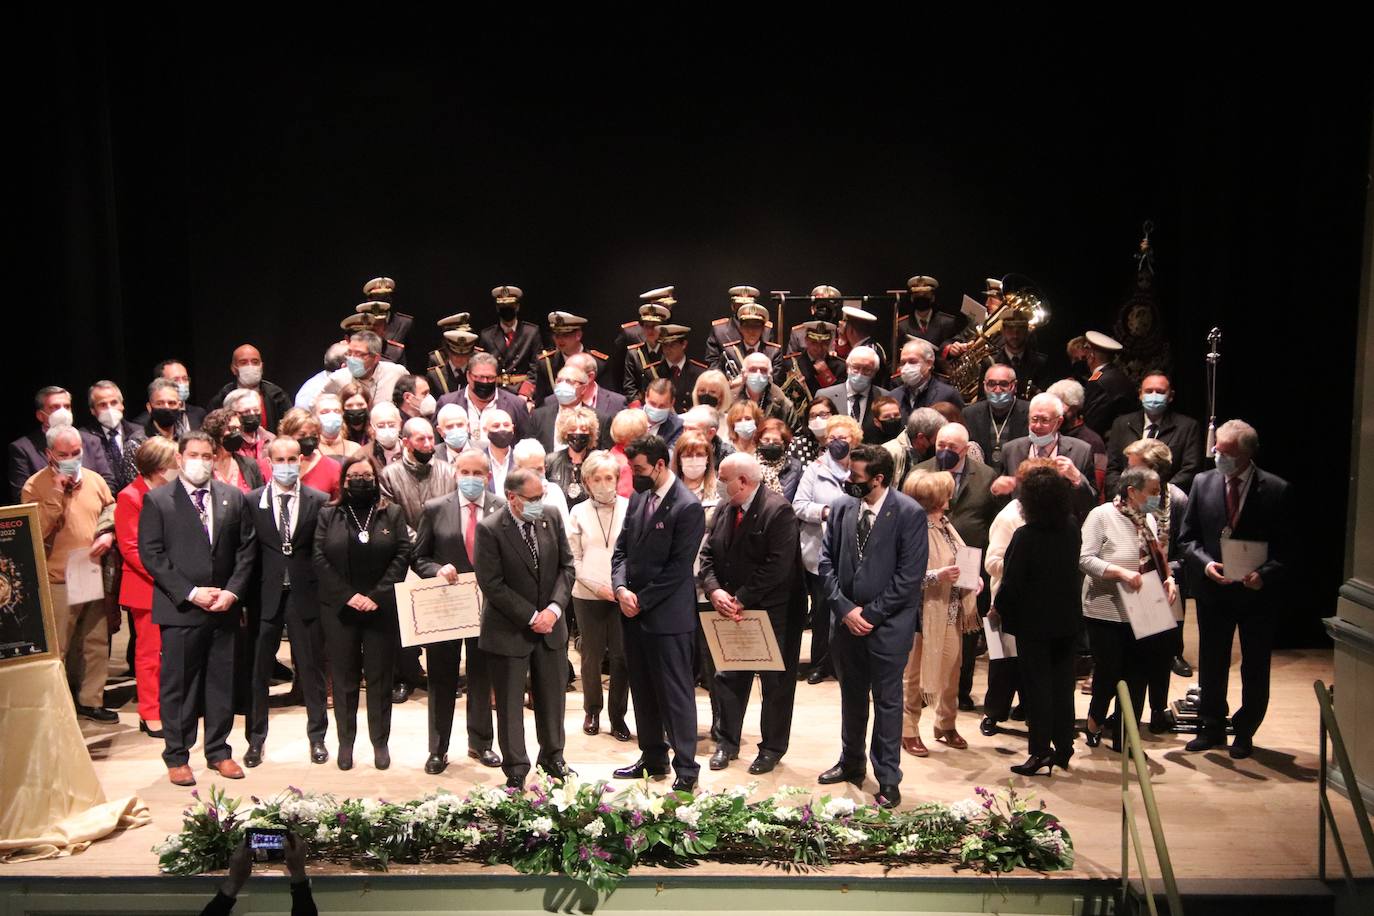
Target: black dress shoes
(620, 731)
(318, 752)
(591, 724)
(763, 763)
(401, 692)
(966, 704)
(817, 675)
(1204, 742)
(685, 784)
(840, 773)
(559, 770)
(97, 714)
(381, 757)
(639, 769)
(988, 726)
(1181, 667)
(515, 782)
(1241, 747)
(345, 759)
(888, 796)
(487, 758)
(436, 764)
(253, 756)
(1018, 713)
(720, 758)
(150, 732)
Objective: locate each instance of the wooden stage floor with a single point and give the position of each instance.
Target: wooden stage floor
(1223, 818)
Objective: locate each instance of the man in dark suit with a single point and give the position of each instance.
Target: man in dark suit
(855, 396)
(246, 367)
(1107, 393)
(482, 394)
(658, 407)
(566, 330)
(525, 571)
(28, 454)
(925, 322)
(651, 572)
(513, 343)
(1182, 434)
(283, 514)
(1240, 501)
(676, 367)
(571, 390)
(998, 417)
(605, 402)
(917, 387)
(175, 371)
(108, 426)
(872, 564)
(196, 539)
(1044, 418)
(752, 561)
(445, 545)
(166, 416)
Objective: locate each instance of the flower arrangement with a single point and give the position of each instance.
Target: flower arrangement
(596, 834)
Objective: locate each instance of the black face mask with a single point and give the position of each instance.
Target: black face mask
(507, 312)
(232, 442)
(839, 449)
(251, 422)
(825, 312)
(356, 418)
(166, 417)
(308, 445)
(770, 451)
(422, 457)
(710, 400)
(362, 490)
(484, 390)
(643, 483)
(946, 459)
(578, 442)
(891, 428)
(858, 489)
(501, 438)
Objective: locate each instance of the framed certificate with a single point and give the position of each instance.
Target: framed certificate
(747, 644)
(432, 610)
(27, 627)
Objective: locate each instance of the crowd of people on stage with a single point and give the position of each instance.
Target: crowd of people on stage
(605, 501)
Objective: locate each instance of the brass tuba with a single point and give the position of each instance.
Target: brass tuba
(1020, 301)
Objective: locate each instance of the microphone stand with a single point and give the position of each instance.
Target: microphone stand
(1213, 357)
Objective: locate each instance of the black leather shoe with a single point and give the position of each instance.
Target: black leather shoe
(515, 782)
(319, 753)
(1159, 722)
(1181, 667)
(1034, 765)
(988, 726)
(838, 773)
(1018, 713)
(1062, 760)
(487, 758)
(97, 714)
(1204, 742)
(620, 731)
(720, 758)
(763, 763)
(639, 769)
(817, 675)
(401, 692)
(381, 757)
(345, 760)
(253, 756)
(888, 796)
(560, 770)
(591, 723)
(966, 704)
(436, 764)
(685, 784)
(1241, 747)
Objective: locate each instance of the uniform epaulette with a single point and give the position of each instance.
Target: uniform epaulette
(396, 343)
(598, 354)
(906, 317)
(772, 343)
(697, 362)
(547, 353)
(653, 365)
(730, 343)
(630, 324)
(720, 321)
(768, 324)
(792, 355)
(436, 357)
(635, 346)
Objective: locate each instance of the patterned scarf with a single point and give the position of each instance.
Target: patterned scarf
(1150, 550)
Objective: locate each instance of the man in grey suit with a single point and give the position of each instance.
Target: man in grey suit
(872, 565)
(445, 545)
(525, 571)
(1073, 457)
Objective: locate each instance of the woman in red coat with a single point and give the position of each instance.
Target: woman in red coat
(156, 462)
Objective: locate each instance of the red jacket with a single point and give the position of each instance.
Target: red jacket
(136, 587)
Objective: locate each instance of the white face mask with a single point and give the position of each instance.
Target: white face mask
(196, 470)
(817, 426)
(694, 468)
(387, 436)
(249, 376)
(110, 417)
(59, 417)
(428, 406)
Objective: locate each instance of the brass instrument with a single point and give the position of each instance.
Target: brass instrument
(1024, 302)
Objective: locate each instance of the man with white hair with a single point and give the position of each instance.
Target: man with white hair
(28, 454)
(704, 420)
(1237, 501)
(75, 515)
(758, 387)
(1071, 393)
(751, 560)
(106, 404)
(334, 356)
(915, 444)
(364, 365)
(451, 434)
(248, 404)
(568, 390)
(1073, 457)
(917, 385)
(855, 396)
(384, 426)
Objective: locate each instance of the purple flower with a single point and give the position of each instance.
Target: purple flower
(605, 789)
(630, 843)
(583, 853)
(195, 793)
(603, 809)
(213, 812)
(256, 800)
(691, 835)
(294, 791)
(601, 853)
(979, 790)
(806, 814)
(342, 818)
(636, 818)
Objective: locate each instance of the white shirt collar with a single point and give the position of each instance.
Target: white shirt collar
(877, 507)
(667, 485)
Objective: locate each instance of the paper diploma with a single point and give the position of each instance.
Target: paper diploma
(431, 610)
(1240, 558)
(1000, 645)
(970, 563)
(744, 645)
(84, 582)
(1148, 609)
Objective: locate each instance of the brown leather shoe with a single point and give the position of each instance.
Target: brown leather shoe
(181, 776)
(951, 738)
(591, 724)
(915, 746)
(228, 769)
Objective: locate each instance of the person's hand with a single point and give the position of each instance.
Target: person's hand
(948, 574)
(978, 586)
(296, 850)
(362, 603)
(240, 867)
(956, 349)
(1253, 581)
(1171, 590)
(544, 622)
(1067, 469)
(855, 622)
(629, 602)
(223, 601)
(448, 573)
(205, 596)
(725, 604)
(1003, 485)
(1215, 573)
(1129, 578)
(101, 545)
(605, 594)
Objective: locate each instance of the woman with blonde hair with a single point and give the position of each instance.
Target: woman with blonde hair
(626, 427)
(713, 389)
(742, 422)
(947, 613)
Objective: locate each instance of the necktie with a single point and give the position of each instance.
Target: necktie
(739, 517)
(1232, 500)
(854, 407)
(200, 495)
(470, 530)
(112, 451)
(528, 530)
(1150, 430)
(284, 529)
(510, 336)
(865, 528)
(650, 506)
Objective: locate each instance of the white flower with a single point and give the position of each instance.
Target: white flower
(322, 834)
(636, 799)
(595, 828)
(487, 797)
(787, 813)
(689, 815)
(1051, 842)
(470, 835)
(541, 826)
(966, 810)
(743, 791)
(850, 835)
(564, 796)
(756, 828)
(837, 807)
(169, 846)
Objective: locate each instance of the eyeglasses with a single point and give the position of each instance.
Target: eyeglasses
(998, 384)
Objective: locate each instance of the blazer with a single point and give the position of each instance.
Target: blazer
(1107, 396)
(1040, 597)
(543, 420)
(935, 391)
(1032, 370)
(173, 548)
(387, 533)
(303, 597)
(136, 585)
(1265, 516)
(942, 328)
(608, 404)
(654, 559)
(886, 583)
(519, 357)
(513, 590)
(668, 430)
(504, 400)
(978, 421)
(439, 539)
(28, 456)
(974, 507)
(1182, 434)
(759, 560)
(1077, 451)
(839, 400)
(128, 432)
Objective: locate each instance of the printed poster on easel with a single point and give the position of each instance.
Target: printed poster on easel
(27, 627)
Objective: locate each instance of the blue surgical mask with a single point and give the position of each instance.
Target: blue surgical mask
(565, 393)
(757, 381)
(1152, 503)
(184, 391)
(1227, 465)
(1042, 441)
(533, 511)
(1001, 398)
(456, 438)
(1154, 402)
(745, 429)
(331, 423)
(656, 415)
(356, 367)
(285, 474)
(471, 487)
(859, 382)
(69, 467)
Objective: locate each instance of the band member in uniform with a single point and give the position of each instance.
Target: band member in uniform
(676, 367)
(825, 306)
(567, 341)
(398, 324)
(448, 366)
(643, 359)
(1031, 366)
(633, 332)
(724, 330)
(856, 330)
(377, 315)
(924, 320)
(752, 321)
(815, 363)
(513, 342)
(1108, 393)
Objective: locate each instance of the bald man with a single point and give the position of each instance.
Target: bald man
(246, 368)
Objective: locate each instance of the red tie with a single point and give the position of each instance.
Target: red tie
(470, 531)
(1232, 500)
(510, 335)
(739, 516)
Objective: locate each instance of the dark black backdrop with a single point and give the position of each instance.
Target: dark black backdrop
(196, 184)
